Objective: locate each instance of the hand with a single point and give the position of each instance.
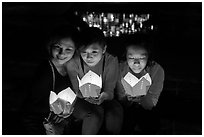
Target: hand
(57, 119)
(54, 124)
(52, 129)
(67, 110)
(48, 128)
(92, 100)
(54, 118)
(102, 97)
(134, 99)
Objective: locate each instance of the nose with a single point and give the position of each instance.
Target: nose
(89, 56)
(61, 51)
(136, 61)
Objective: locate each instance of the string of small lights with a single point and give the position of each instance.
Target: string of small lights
(116, 24)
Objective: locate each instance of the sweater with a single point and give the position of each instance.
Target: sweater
(107, 67)
(156, 73)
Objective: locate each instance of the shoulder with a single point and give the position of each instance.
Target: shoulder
(110, 59)
(155, 69)
(73, 63)
(123, 66)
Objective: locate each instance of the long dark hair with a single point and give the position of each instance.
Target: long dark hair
(91, 35)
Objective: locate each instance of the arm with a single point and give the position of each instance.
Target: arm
(120, 91)
(73, 71)
(111, 76)
(150, 100)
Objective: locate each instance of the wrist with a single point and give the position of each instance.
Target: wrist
(104, 96)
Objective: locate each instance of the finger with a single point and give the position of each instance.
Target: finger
(57, 119)
(129, 98)
(98, 103)
(49, 116)
(60, 120)
(92, 101)
(88, 100)
(54, 118)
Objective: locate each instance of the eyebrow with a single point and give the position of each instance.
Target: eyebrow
(144, 54)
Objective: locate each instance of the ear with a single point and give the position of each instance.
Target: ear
(104, 49)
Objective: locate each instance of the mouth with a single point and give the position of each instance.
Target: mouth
(61, 58)
(89, 62)
(137, 68)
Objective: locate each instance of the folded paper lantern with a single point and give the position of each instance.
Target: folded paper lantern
(90, 85)
(134, 86)
(62, 104)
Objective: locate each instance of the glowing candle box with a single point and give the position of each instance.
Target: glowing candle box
(62, 104)
(90, 85)
(134, 86)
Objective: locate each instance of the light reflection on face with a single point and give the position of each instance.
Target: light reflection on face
(92, 54)
(63, 51)
(136, 58)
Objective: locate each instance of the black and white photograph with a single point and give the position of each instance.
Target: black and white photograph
(102, 68)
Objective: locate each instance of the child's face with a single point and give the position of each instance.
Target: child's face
(92, 54)
(63, 51)
(136, 58)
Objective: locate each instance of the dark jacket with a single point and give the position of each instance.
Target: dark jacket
(36, 107)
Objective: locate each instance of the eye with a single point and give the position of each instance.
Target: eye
(130, 58)
(95, 52)
(83, 53)
(69, 50)
(143, 58)
(56, 47)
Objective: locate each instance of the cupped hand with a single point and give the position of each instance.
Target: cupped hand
(134, 99)
(92, 100)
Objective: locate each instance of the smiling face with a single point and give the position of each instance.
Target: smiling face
(92, 54)
(63, 51)
(136, 58)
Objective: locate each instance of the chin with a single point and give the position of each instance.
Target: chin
(61, 62)
(137, 71)
(91, 64)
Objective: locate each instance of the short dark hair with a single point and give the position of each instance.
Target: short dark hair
(143, 41)
(139, 40)
(92, 35)
(61, 32)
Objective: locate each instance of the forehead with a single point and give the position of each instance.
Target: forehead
(66, 42)
(133, 50)
(94, 46)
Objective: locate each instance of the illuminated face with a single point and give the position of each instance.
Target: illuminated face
(136, 58)
(92, 54)
(63, 51)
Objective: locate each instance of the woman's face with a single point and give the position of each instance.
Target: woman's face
(63, 51)
(92, 54)
(136, 58)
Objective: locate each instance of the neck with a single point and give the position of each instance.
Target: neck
(138, 75)
(60, 68)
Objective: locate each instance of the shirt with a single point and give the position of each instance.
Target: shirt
(36, 106)
(107, 67)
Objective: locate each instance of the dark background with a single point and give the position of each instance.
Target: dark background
(177, 47)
